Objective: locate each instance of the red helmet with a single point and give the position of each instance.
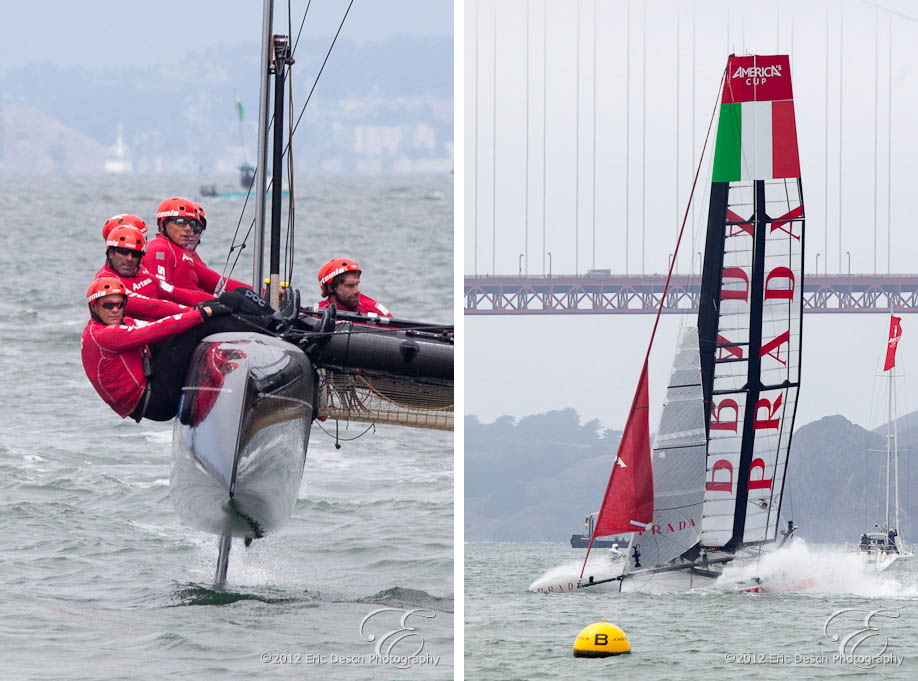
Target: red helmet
(126, 237)
(106, 286)
(202, 216)
(333, 268)
(123, 219)
(176, 207)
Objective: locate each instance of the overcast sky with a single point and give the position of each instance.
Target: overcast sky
(110, 33)
(848, 76)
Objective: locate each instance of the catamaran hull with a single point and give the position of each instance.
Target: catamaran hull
(239, 442)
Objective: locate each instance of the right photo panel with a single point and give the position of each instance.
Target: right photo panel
(662, 470)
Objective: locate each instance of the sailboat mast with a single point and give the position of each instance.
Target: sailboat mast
(747, 447)
(889, 442)
(895, 442)
(281, 60)
(261, 160)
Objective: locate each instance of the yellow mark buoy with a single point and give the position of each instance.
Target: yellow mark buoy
(601, 639)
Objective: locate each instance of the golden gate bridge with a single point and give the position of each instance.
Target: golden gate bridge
(640, 293)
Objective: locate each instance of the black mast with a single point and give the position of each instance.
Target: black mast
(753, 385)
(709, 300)
(281, 60)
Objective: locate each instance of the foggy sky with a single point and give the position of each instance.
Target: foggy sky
(840, 57)
(112, 34)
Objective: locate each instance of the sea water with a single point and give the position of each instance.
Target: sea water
(856, 624)
(98, 577)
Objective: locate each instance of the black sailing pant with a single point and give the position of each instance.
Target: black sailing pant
(170, 364)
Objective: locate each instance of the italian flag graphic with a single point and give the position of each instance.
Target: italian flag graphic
(756, 133)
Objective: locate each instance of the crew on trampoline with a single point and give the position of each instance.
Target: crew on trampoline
(148, 297)
(138, 368)
(168, 258)
(339, 280)
(200, 275)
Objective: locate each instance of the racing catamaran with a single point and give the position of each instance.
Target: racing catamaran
(240, 439)
(711, 486)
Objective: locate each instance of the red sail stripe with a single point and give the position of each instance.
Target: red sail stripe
(631, 497)
(784, 154)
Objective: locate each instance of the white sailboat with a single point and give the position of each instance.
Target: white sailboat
(884, 544)
(710, 490)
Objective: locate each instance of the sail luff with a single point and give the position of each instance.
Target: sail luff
(629, 505)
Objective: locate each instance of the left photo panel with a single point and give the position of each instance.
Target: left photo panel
(234, 386)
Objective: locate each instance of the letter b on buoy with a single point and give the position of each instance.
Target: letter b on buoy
(601, 639)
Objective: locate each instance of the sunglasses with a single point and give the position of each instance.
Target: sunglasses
(127, 252)
(114, 306)
(182, 222)
(197, 227)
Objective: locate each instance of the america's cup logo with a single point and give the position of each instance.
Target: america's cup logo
(757, 75)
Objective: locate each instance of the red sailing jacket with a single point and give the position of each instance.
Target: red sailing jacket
(148, 297)
(205, 278)
(113, 355)
(365, 305)
(172, 265)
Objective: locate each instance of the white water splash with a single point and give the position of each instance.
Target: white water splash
(564, 578)
(802, 568)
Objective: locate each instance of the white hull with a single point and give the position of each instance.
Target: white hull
(239, 442)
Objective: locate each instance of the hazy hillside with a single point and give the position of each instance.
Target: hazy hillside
(536, 479)
(379, 107)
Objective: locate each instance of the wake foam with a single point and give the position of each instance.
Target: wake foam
(802, 568)
(564, 577)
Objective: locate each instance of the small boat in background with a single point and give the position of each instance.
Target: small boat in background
(884, 544)
(582, 540)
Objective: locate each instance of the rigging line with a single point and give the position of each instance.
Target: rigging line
(324, 62)
(338, 439)
(685, 217)
(668, 277)
(297, 41)
(245, 203)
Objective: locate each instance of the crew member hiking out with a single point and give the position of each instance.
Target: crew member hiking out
(339, 280)
(200, 276)
(148, 297)
(138, 368)
(167, 256)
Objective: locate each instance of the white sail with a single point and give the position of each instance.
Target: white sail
(678, 461)
(751, 305)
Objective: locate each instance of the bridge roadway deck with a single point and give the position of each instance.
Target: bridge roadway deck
(640, 294)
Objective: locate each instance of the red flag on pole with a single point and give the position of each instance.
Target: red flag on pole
(895, 333)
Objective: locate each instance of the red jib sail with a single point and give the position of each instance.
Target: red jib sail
(628, 503)
(895, 332)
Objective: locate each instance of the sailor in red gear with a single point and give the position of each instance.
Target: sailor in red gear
(168, 256)
(339, 280)
(114, 347)
(131, 377)
(148, 297)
